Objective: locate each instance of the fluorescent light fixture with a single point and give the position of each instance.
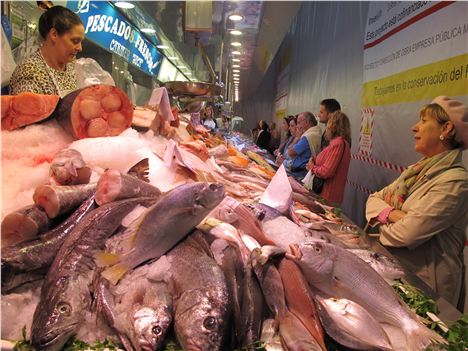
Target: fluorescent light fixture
(162, 47)
(124, 4)
(172, 58)
(187, 73)
(235, 60)
(236, 52)
(236, 43)
(122, 72)
(148, 30)
(236, 17)
(181, 66)
(235, 75)
(236, 32)
(236, 66)
(236, 70)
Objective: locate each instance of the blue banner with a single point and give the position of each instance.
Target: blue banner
(108, 28)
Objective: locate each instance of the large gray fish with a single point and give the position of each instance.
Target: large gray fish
(341, 274)
(201, 297)
(351, 325)
(388, 268)
(139, 309)
(161, 226)
(38, 254)
(65, 294)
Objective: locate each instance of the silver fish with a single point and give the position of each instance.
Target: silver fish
(65, 294)
(351, 325)
(388, 268)
(161, 226)
(339, 273)
(201, 298)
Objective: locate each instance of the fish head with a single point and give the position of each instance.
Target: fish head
(59, 313)
(317, 258)
(151, 326)
(263, 213)
(207, 196)
(200, 320)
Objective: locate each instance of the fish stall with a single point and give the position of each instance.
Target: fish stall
(137, 229)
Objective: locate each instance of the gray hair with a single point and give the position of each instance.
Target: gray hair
(309, 116)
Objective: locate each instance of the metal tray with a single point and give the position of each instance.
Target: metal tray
(192, 88)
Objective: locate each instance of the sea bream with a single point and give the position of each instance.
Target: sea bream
(65, 294)
(339, 273)
(160, 227)
(388, 268)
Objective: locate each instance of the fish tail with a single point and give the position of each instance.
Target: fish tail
(115, 273)
(421, 337)
(104, 259)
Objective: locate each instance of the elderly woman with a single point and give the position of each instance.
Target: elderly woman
(332, 163)
(51, 70)
(423, 214)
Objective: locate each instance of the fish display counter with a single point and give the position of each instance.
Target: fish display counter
(168, 236)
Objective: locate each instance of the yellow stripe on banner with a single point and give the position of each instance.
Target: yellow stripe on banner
(446, 77)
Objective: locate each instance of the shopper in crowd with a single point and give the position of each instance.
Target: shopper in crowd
(263, 137)
(282, 156)
(285, 128)
(307, 146)
(332, 163)
(327, 106)
(422, 215)
(208, 118)
(275, 137)
(51, 69)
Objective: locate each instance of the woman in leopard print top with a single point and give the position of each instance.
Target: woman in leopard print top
(51, 69)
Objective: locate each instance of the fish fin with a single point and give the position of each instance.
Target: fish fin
(115, 273)
(421, 337)
(131, 233)
(104, 259)
(140, 170)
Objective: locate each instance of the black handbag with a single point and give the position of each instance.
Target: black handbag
(317, 182)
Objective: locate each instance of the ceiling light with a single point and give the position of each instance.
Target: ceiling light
(124, 5)
(236, 52)
(236, 32)
(236, 17)
(162, 47)
(173, 58)
(236, 66)
(148, 30)
(236, 79)
(236, 43)
(188, 73)
(235, 75)
(181, 66)
(235, 60)
(122, 72)
(236, 70)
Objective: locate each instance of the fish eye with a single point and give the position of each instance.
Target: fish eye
(63, 308)
(317, 249)
(209, 323)
(156, 330)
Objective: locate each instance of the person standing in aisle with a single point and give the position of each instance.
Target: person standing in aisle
(263, 137)
(307, 146)
(423, 215)
(327, 106)
(332, 163)
(51, 69)
(275, 137)
(208, 120)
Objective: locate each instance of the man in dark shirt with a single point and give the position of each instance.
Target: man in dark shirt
(327, 106)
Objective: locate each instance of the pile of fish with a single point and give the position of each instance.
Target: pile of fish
(197, 241)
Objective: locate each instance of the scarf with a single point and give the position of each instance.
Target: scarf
(396, 193)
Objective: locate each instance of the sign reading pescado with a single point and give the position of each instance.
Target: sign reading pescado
(108, 28)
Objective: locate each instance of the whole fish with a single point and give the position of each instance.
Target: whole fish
(139, 309)
(68, 168)
(337, 272)
(387, 267)
(351, 325)
(201, 297)
(38, 253)
(65, 294)
(161, 226)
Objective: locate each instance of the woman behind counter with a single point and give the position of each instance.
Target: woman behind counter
(51, 69)
(423, 214)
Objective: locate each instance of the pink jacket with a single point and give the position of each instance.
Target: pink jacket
(332, 164)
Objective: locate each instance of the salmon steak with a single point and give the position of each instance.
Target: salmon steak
(95, 111)
(26, 108)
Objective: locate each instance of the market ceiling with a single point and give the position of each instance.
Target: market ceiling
(260, 31)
